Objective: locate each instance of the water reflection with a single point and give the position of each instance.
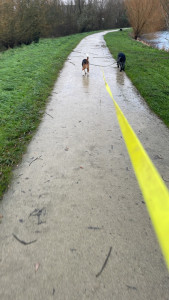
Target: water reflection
(119, 77)
(158, 39)
(85, 81)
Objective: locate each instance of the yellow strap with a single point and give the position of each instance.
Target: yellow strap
(154, 190)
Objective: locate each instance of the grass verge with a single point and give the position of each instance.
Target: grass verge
(27, 76)
(148, 69)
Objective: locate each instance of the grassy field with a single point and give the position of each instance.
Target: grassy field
(148, 69)
(27, 76)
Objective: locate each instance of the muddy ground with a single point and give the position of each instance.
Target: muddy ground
(74, 200)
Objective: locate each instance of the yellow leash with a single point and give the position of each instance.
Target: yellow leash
(153, 188)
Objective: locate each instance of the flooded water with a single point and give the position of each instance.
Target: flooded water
(158, 39)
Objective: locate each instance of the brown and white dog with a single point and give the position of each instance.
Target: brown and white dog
(85, 65)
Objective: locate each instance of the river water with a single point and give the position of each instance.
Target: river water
(158, 39)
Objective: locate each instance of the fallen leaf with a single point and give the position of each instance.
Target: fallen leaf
(37, 267)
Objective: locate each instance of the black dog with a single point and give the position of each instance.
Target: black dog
(121, 59)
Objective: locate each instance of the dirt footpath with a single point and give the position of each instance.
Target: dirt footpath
(75, 225)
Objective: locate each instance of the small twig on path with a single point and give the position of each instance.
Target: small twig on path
(35, 159)
(98, 274)
(49, 115)
(23, 242)
(94, 228)
(1, 216)
(38, 212)
(131, 287)
(71, 63)
(53, 291)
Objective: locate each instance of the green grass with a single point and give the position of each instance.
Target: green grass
(148, 69)
(27, 76)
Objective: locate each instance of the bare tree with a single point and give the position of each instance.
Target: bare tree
(101, 14)
(24, 21)
(165, 6)
(28, 19)
(19, 22)
(88, 19)
(115, 14)
(144, 16)
(7, 23)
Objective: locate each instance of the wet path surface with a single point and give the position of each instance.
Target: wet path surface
(76, 198)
